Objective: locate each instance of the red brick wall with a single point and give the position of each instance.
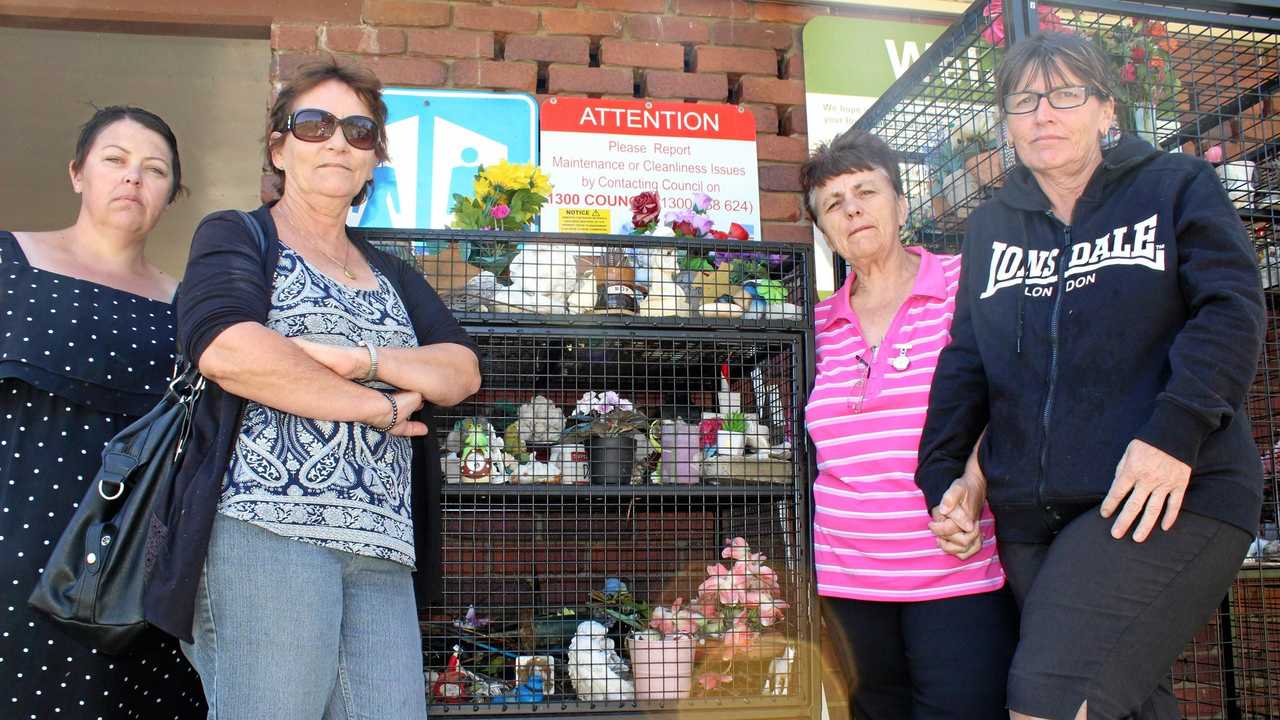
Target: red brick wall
(684, 50)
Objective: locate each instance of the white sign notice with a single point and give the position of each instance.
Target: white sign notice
(601, 153)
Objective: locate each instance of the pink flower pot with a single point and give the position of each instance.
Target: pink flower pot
(663, 668)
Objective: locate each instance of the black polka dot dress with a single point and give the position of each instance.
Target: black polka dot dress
(78, 362)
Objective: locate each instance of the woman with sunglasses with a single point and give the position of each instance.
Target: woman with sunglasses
(306, 515)
(888, 587)
(1107, 328)
(86, 344)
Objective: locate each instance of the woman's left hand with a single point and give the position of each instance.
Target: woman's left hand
(348, 362)
(1154, 481)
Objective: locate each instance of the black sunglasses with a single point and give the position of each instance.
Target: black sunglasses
(312, 125)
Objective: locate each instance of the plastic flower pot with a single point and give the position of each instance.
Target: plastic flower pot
(731, 442)
(610, 459)
(663, 668)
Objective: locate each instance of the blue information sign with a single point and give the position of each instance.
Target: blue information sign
(437, 139)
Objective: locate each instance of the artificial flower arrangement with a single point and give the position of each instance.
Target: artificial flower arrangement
(736, 610)
(603, 414)
(725, 278)
(1143, 53)
(507, 196)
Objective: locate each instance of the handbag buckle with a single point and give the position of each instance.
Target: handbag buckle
(102, 491)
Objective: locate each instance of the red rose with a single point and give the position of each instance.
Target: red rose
(644, 209)
(737, 232)
(684, 228)
(1138, 53)
(1129, 73)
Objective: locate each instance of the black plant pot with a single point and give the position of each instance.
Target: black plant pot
(611, 458)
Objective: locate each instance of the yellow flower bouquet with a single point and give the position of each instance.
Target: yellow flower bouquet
(507, 197)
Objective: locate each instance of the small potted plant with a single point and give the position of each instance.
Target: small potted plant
(731, 438)
(608, 424)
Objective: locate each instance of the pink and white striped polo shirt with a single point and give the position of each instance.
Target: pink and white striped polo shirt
(865, 414)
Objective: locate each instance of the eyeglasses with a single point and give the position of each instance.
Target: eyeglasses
(862, 380)
(313, 126)
(1062, 98)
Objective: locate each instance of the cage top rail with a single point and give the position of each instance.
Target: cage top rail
(1259, 16)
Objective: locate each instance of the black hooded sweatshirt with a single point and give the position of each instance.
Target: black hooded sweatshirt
(1152, 332)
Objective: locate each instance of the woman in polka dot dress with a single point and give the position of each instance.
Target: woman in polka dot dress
(86, 345)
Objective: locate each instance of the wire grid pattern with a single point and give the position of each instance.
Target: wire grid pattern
(533, 549)
(1226, 108)
(584, 280)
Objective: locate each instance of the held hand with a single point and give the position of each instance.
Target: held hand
(407, 403)
(1154, 481)
(351, 363)
(956, 519)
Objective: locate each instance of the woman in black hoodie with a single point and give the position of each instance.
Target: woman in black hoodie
(1107, 326)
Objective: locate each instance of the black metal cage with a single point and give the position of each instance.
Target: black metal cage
(1194, 77)
(639, 425)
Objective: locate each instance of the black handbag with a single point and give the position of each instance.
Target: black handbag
(91, 586)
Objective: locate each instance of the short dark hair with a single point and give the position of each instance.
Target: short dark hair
(112, 114)
(362, 82)
(852, 151)
(1048, 55)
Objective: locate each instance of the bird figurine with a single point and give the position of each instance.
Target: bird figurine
(596, 671)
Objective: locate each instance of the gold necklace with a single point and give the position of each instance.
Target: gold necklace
(343, 264)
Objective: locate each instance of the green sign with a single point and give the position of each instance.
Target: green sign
(848, 56)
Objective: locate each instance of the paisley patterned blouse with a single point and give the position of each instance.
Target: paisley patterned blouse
(340, 485)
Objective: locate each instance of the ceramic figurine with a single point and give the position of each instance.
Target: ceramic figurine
(474, 457)
(540, 420)
(451, 685)
(778, 681)
(596, 671)
(548, 271)
(529, 692)
(665, 298)
(583, 298)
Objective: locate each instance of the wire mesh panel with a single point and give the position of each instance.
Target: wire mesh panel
(639, 281)
(1190, 81)
(604, 530)
(626, 508)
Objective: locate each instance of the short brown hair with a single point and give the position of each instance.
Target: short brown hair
(1048, 55)
(852, 151)
(362, 82)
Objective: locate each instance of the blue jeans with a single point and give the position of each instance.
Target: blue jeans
(288, 630)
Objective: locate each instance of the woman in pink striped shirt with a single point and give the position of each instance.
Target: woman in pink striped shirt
(931, 634)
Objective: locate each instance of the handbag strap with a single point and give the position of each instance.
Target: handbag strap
(255, 229)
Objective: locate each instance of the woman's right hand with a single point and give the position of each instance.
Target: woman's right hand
(407, 403)
(955, 520)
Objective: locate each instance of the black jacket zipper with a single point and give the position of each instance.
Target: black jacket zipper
(1053, 358)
